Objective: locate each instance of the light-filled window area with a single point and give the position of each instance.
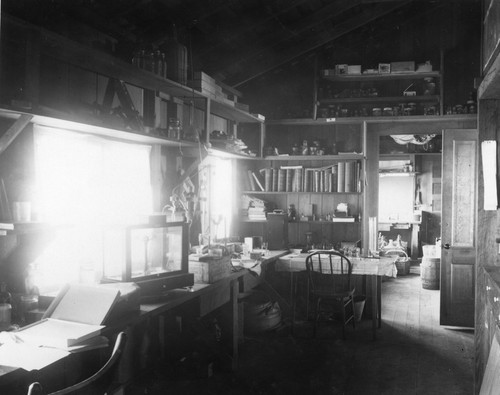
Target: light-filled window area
(85, 183)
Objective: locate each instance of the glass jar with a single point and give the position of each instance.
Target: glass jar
(27, 303)
(174, 129)
(376, 112)
(388, 112)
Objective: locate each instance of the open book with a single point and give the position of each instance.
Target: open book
(76, 315)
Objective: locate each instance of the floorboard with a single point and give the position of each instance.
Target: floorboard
(413, 355)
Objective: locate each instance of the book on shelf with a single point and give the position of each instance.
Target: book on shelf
(343, 219)
(258, 183)
(251, 180)
(341, 177)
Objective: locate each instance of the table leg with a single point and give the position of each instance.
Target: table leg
(374, 306)
(379, 300)
(235, 327)
(292, 297)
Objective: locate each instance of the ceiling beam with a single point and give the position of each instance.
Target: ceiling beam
(248, 29)
(268, 60)
(265, 43)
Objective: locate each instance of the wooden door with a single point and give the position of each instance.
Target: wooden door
(458, 255)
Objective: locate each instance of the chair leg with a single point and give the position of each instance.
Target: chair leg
(316, 316)
(353, 315)
(343, 319)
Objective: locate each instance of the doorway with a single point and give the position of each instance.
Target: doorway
(409, 211)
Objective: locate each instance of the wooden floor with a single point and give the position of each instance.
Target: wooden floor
(413, 355)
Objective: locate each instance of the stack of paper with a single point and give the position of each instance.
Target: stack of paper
(74, 320)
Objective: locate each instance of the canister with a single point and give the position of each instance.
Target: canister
(388, 112)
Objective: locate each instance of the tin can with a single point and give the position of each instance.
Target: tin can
(388, 112)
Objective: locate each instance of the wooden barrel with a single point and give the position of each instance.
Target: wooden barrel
(430, 272)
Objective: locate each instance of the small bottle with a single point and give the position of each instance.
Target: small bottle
(157, 63)
(5, 308)
(174, 129)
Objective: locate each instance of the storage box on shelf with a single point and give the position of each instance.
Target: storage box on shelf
(402, 92)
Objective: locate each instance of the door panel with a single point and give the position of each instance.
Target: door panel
(460, 155)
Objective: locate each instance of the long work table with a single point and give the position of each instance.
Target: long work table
(205, 297)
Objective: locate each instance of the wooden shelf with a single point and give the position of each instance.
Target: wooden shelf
(301, 193)
(350, 156)
(372, 120)
(325, 222)
(382, 99)
(381, 77)
(120, 134)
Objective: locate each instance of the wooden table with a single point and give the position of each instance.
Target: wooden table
(367, 267)
(206, 298)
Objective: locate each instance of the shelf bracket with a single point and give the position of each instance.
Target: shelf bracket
(10, 135)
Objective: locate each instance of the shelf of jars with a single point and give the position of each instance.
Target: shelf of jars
(371, 119)
(299, 193)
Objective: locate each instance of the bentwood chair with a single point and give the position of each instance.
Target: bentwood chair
(329, 275)
(99, 383)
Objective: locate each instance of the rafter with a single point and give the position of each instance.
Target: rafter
(269, 59)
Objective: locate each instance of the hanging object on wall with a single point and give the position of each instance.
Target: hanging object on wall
(418, 139)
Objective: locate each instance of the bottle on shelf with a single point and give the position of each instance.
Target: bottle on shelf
(5, 308)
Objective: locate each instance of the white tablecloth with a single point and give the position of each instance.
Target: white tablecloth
(384, 266)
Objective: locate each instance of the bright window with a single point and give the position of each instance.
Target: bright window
(87, 182)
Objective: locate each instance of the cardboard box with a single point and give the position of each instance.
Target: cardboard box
(208, 270)
(384, 68)
(340, 69)
(354, 69)
(402, 67)
(328, 72)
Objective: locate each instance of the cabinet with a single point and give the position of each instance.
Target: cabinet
(314, 185)
(391, 94)
(489, 330)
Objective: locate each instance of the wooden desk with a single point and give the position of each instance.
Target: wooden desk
(207, 298)
(373, 268)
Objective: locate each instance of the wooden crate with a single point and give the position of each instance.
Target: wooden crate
(211, 269)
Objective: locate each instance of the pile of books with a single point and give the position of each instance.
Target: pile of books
(253, 208)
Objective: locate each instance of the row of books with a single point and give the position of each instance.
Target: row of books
(342, 176)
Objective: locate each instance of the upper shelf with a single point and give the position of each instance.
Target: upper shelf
(381, 77)
(382, 99)
(341, 157)
(68, 51)
(370, 120)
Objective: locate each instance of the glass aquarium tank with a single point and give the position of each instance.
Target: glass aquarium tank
(153, 256)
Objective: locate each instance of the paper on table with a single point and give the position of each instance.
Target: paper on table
(489, 154)
(84, 304)
(57, 333)
(28, 356)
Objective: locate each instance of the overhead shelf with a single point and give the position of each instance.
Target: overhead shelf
(382, 99)
(382, 77)
(119, 134)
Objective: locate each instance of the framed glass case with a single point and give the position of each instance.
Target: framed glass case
(153, 256)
